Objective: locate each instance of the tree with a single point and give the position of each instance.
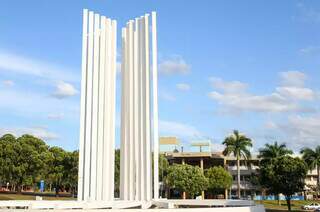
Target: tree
(187, 178)
(117, 172)
(56, 167)
(312, 159)
(70, 170)
(163, 166)
(163, 170)
(28, 166)
(271, 151)
(219, 179)
(238, 145)
(284, 175)
(7, 157)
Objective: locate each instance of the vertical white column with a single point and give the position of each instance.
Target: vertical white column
(131, 124)
(137, 112)
(147, 111)
(97, 118)
(100, 179)
(124, 146)
(108, 108)
(88, 120)
(83, 105)
(155, 107)
(95, 103)
(142, 108)
(136, 151)
(113, 110)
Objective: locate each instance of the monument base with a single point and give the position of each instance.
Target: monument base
(162, 205)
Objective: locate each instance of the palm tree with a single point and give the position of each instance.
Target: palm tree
(275, 150)
(238, 145)
(272, 151)
(312, 159)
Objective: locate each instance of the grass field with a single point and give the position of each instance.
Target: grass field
(272, 205)
(30, 197)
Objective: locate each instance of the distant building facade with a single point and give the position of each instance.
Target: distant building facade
(248, 169)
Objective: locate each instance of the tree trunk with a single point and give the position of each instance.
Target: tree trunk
(19, 189)
(57, 190)
(288, 198)
(278, 199)
(184, 195)
(238, 176)
(318, 181)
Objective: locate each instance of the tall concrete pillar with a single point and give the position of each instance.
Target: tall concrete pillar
(201, 166)
(97, 116)
(139, 113)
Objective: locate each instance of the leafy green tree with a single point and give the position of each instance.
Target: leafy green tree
(163, 167)
(28, 165)
(187, 178)
(56, 167)
(238, 145)
(219, 179)
(284, 175)
(271, 151)
(7, 157)
(70, 170)
(312, 159)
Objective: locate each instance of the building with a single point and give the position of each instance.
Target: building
(206, 160)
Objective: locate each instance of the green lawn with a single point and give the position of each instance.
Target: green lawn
(29, 197)
(272, 205)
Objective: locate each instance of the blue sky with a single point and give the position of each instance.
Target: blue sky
(247, 65)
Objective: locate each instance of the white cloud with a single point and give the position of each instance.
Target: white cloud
(228, 87)
(297, 93)
(55, 116)
(39, 132)
(167, 96)
(247, 102)
(183, 86)
(64, 90)
(35, 104)
(298, 131)
(174, 65)
(310, 50)
(293, 78)
(233, 96)
(180, 130)
(8, 83)
(18, 64)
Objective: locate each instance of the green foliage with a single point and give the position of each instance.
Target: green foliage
(27, 160)
(187, 178)
(219, 179)
(271, 151)
(163, 167)
(238, 145)
(284, 175)
(117, 171)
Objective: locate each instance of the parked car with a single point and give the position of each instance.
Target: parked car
(312, 206)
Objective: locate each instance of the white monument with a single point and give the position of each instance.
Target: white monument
(139, 110)
(97, 116)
